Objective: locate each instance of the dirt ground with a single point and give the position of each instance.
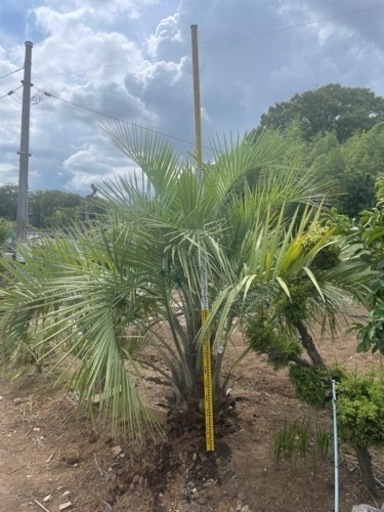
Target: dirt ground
(50, 456)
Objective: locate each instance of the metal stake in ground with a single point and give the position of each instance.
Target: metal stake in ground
(207, 363)
(335, 446)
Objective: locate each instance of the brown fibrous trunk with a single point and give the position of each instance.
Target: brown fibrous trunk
(366, 471)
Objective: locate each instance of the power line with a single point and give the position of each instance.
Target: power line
(219, 41)
(16, 98)
(11, 73)
(6, 94)
(9, 93)
(304, 24)
(118, 64)
(103, 114)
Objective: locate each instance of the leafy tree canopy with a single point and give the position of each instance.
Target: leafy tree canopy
(47, 208)
(367, 236)
(53, 207)
(8, 201)
(332, 108)
(355, 164)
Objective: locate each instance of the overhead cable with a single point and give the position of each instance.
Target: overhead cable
(103, 114)
(9, 93)
(290, 27)
(11, 73)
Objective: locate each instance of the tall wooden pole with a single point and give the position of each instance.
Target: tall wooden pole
(22, 200)
(207, 359)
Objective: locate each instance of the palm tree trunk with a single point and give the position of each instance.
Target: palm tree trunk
(309, 344)
(366, 471)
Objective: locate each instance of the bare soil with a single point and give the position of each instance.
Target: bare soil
(51, 455)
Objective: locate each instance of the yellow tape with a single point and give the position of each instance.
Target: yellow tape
(208, 400)
(208, 391)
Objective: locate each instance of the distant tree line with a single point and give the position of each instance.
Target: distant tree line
(48, 209)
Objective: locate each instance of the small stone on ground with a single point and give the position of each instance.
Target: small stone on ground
(64, 506)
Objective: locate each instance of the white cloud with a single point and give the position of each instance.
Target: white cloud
(70, 44)
(93, 162)
(5, 173)
(167, 31)
(35, 174)
(131, 59)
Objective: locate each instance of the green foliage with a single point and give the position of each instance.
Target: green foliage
(52, 208)
(329, 255)
(371, 334)
(296, 440)
(47, 208)
(342, 138)
(363, 156)
(360, 407)
(7, 229)
(294, 307)
(138, 270)
(367, 238)
(312, 384)
(302, 300)
(360, 402)
(355, 165)
(331, 108)
(323, 250)
(8, 201)
(341, 224)
(291, 442)
(263, 338)
(321, 445)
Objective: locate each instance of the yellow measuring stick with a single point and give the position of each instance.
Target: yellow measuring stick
(208, 392)
(207, 362)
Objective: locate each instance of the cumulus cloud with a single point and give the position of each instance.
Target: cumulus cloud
(100, 162)
(166, 36)
(131, 59)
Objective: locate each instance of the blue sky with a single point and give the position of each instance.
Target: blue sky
(131, 59)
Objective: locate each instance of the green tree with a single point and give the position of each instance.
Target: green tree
(319, 294)
(280, 329)
(354, 165)
(8, 201)
(331, 108)
(7, 229)
(103, 295)
(367, 237)
(361, 419)
(363, 155)
(50, 208)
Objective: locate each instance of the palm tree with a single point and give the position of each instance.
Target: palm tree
(105, 294)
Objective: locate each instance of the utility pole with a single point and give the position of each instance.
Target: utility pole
(22, 200)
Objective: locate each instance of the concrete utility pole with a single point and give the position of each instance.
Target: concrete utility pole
(22, 200)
